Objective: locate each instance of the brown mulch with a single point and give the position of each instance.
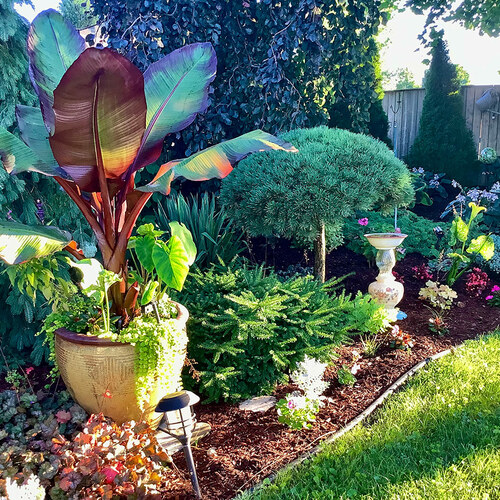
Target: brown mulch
(244, 447)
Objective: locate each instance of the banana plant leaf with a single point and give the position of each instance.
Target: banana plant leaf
(217, 161)
(176, 90)
(16, 157)
(20, 243)
(100, 111)
(53, 45)
(162, 180)
(34, 132)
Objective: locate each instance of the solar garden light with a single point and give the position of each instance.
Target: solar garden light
(179, 421)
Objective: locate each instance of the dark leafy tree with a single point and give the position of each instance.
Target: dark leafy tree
(342, 115)
(78, 13)
(472, 14)
(444, 143)
(280, 64)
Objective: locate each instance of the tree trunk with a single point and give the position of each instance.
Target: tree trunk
(320, 254)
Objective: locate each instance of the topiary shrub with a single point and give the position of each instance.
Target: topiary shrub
(444, 143)
(247, 330)
(307, 196)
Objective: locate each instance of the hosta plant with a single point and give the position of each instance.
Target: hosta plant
(100, 121)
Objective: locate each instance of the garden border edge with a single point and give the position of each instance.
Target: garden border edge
(355, 421)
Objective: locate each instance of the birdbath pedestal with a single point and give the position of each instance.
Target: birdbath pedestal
(386, 290)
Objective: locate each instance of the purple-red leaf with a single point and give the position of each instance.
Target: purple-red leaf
(100, 114)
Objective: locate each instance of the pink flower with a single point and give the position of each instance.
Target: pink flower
(489, 297)
(363, 221)
(397, 230)
(291, 404)
(29, 370)
(496, 288)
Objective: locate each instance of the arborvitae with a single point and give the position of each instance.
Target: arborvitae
(444, 143)
(15, 86)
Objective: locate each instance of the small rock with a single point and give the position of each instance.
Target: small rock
(211, 452)
(261, 403)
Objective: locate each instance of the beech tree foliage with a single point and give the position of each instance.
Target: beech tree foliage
(280, 64)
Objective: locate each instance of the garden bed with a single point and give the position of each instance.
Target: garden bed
(245, 447)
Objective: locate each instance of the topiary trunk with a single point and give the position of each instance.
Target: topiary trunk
(320, 254)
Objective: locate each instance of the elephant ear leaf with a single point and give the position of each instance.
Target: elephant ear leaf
(20, 243)
(16, 157)
(176, 89)
(171, 262)
(53, 45)
(184, 234)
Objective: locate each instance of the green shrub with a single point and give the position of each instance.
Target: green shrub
(421, 238)
(444, 143)
(214, 234)
(307, 196)
(247, 330)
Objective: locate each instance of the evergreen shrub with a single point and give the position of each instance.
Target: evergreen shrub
(444, 143)
(302, 195)
(248, 330)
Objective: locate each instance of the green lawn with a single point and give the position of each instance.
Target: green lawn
(439, 438)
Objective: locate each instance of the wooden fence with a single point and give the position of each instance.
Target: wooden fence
(404, 107)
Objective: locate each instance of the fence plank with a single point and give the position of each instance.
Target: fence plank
(404, 108)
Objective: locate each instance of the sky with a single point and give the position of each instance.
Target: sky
(479, 55)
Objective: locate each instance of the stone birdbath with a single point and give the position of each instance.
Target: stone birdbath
(386, 289)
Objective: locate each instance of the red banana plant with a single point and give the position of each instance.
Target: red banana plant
(100, 121)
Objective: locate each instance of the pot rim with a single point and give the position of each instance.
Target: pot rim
(80, 338)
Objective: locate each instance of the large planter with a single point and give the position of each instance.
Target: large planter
(100, 374)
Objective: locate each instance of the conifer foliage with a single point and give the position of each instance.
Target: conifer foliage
(247, 330)
(444, 144)
(14, 82)
(307, 196)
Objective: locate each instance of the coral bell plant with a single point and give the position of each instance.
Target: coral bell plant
(100, 121)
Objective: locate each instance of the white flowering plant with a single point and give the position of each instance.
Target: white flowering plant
(298, 410)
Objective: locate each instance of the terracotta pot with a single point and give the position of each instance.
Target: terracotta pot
(99, 374)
